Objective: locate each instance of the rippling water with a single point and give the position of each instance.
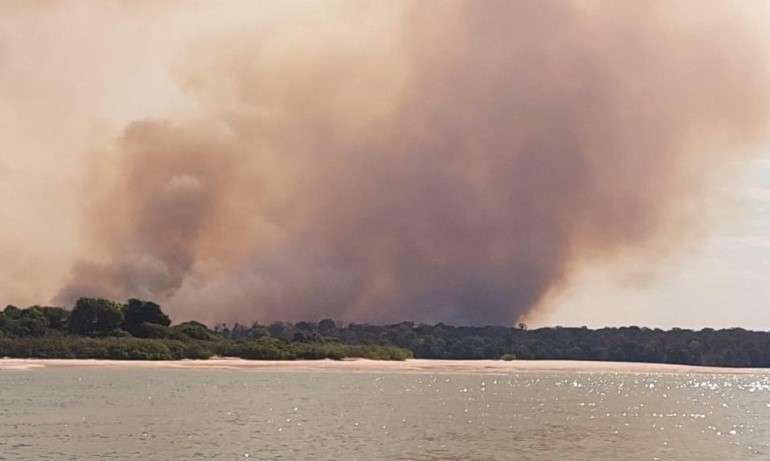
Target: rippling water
(164, 414)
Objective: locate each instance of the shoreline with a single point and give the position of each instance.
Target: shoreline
(426, 366)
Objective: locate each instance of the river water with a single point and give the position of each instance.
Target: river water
(168, 414)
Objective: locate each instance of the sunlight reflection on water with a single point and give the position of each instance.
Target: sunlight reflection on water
(162, 414)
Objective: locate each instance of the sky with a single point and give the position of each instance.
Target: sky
(379, 161)
(720, 280)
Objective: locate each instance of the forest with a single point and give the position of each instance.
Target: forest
(140, 330)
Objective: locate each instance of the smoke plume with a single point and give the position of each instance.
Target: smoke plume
(440, 161)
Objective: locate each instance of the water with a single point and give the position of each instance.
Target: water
(169, 414)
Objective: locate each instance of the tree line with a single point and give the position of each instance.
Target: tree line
(733, 347)
(140, 330)
(99, 328)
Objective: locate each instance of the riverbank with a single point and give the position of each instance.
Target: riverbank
(378, 366)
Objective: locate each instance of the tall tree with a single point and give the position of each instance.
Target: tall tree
(93, 316)
(139, 312)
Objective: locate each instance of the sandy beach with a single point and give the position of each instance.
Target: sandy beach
(375, 366)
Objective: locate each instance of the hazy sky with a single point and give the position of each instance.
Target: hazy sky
(370, 160)
(721, 280)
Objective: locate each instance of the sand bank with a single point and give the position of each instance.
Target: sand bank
(375, 366)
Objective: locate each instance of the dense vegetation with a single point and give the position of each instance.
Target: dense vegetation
(733, 347)
(98, 328)
(139, 330)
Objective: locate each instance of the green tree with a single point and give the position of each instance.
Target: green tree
(56, 317)
(327, 327)
(154, 331)
(94, 316)
(24, 322)
(281, 330)
(258, 331)
(139, 312)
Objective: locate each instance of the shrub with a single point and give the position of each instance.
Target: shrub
(260, 350)
(24, 322)
(71, 347)
(153, 331)
(196, 330)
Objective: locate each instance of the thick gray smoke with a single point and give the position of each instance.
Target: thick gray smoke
(451, 161)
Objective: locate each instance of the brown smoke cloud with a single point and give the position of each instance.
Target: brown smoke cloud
(450, 161)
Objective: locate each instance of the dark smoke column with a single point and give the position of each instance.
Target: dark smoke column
(520, 142)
